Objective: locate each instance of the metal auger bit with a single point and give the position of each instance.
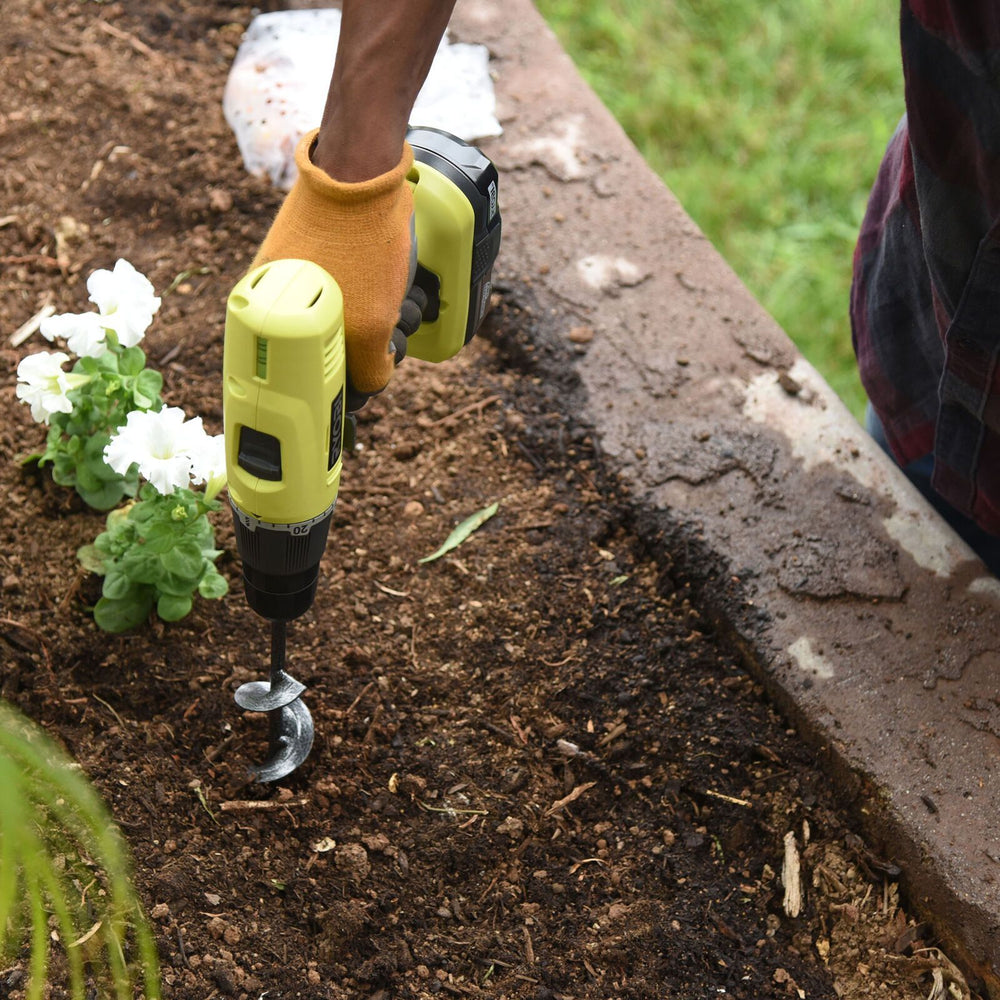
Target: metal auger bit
(290, 728)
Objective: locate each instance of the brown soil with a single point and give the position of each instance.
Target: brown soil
(538, 772)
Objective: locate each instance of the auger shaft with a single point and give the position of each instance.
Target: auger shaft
(279, 636)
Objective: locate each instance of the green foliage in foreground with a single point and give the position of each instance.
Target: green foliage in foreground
(768, 121)
(64, 875)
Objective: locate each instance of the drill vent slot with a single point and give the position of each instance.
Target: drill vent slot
(329, 358)
(261, 352)
(315, 298)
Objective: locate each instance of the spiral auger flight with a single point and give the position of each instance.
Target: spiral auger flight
(290, 725)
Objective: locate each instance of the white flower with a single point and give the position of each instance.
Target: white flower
(162, 444)
(125, 300)
(126, 305)
(83, 333)
(208, 464)
(44, 386)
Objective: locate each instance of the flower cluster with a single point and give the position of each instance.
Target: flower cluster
(44, 386)
(84, 406)
(125, 304)
(108, 429)
(172, 453)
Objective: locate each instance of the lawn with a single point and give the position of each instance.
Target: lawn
(768, 122)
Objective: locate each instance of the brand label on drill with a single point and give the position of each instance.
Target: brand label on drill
(336, 429)
(493, 200)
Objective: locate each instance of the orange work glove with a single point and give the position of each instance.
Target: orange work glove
(360, 234)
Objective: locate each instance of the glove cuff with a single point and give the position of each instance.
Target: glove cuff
(352, 193)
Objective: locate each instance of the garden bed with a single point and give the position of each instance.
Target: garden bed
(537, 771)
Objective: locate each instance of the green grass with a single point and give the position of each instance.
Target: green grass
(768, 121)
(65, 877)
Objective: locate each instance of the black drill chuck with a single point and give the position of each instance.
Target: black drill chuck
(280, 563)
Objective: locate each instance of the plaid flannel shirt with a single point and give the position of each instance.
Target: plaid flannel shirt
(925, 301)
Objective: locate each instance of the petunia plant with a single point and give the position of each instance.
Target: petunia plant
(110, 380)
(111, 437)
(159, 551)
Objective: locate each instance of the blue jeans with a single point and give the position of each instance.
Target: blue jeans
(919, 472)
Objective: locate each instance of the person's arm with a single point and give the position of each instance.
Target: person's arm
(350, 207)
(386, 49)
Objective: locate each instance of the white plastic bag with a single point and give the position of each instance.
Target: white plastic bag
(278, 82)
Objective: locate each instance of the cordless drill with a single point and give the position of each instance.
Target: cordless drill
(287, 399)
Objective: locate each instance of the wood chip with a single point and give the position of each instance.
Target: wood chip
(791, 877)
(572, 797)
(529, 948)
(480, 404)
(614, 733)
(137, 43)
(83, 939)
(727, 798)
(259, 805)
(25, 330)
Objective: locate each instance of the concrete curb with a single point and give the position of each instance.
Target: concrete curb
(871, 623)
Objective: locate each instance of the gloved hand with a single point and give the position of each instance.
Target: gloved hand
(360, 234)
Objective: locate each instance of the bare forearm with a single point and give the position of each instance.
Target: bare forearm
(386, 48)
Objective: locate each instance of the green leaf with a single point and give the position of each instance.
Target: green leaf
(147, 388)
(143, 511)
(148, 492)
(176, 586)
(131, 361)
(117, 585)
(183, 560)
(86, 478)
(128, 612)
(94, 447)
(118, 518)
(161, 536)
(63, 473)
(462, 532)
(213, 584)
(91, 559)
(140, 564)
(104, 496)
(172, 608)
